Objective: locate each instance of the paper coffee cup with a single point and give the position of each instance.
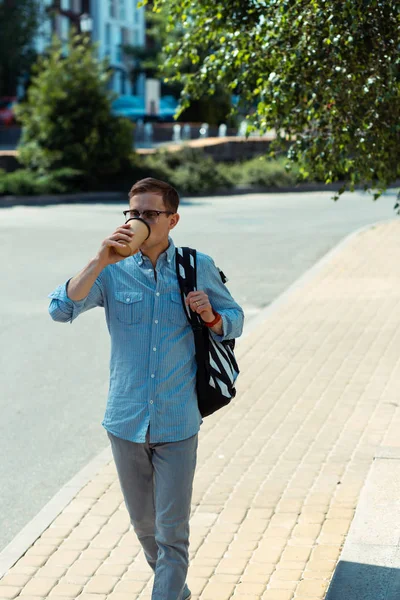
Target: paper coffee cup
(141, 230)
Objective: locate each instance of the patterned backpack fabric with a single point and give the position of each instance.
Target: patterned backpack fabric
(217, 368)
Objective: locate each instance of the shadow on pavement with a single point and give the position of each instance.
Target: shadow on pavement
(357, 581)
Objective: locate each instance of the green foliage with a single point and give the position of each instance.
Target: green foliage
(325, 75)
(67, 121)
(24, 182)
(263, 171)
(188, 170)
(19, 22)
(191, 171)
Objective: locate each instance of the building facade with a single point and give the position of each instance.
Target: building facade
(114, 23)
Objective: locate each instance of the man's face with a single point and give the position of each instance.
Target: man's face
(164, 222)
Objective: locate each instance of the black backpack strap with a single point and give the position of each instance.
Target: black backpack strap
(186, 272)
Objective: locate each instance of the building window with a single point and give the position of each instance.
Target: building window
(123, 83)
(135, 37)
(64, 27)
(120, 43)
(135, 12)
(122, 10)
(112, 8)
(126, 36)
(107, 39)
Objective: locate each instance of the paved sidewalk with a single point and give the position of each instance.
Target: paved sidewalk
(279, 471)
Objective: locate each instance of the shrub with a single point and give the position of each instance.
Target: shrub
(24, 182)
(263, 171)
(67, 121)
(189, 170)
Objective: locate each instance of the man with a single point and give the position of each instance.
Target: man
(152, 417)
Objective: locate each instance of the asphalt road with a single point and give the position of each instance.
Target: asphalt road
(54, 377)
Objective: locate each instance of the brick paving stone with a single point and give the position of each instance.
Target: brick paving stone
(63, 558)
(14, 580)
(251, 589)
(287, 575)
(222, 591)
(122, 596)
(32, 561)
(295, 553)
(71, 544)
(280, 584)
(95, 553)
(23, 569)
(28, 598)
(130, 586)
(135, 575)
(101, 584)
(277, 595)
(41, 550)
(197, 584)
(51, 571)
(9, 591)
(323, 552)
(321, 574)
(85, 596)
(67, 590)
(201, 571)
(55, 533)
(311, 587)
(112, 569)
(81, 580)
(39, 586)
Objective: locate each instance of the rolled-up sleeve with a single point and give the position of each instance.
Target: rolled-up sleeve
(65, 310)
(209, 280)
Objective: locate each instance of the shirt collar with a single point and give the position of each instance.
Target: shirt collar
(167, 255)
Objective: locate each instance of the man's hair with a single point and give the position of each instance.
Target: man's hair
(169, 194)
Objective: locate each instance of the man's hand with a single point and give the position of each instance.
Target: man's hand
(107, 255)
(200, 304)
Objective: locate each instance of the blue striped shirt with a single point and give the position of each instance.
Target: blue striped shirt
(152, 366)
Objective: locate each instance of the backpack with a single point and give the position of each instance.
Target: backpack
(217, 368)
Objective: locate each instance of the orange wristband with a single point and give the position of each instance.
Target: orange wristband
(216, 320)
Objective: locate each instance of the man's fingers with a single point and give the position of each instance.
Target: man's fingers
(113, 243)
(120, 236)
(122, 231)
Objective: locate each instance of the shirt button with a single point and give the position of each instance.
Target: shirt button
(154, 349)
(151, 401)
(156, 321)
(152, 375)
(157, 293)
(128, 299)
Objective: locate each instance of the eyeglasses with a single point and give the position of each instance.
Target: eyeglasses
(151, 216)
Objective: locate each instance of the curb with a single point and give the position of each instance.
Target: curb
(32, 531)
(99, 197)
(368, 566)
(49, 199)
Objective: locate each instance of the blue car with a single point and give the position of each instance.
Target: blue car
(131, 107)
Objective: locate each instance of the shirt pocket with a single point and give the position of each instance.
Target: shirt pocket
(176, 312)
(129, 307)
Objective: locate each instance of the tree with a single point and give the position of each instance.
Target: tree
(324, 75)
(19, 22)
(67, 121)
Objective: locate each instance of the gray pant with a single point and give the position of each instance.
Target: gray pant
(157, 481)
